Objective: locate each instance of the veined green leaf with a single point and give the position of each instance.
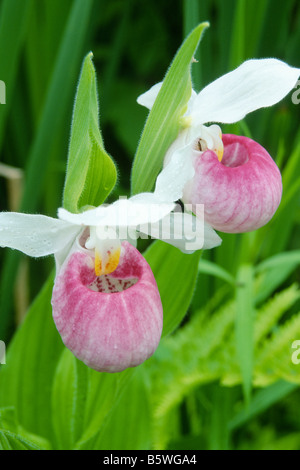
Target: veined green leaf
(273, 271)
(91, 174)
(132, 412)
(68, 399)
(163, 123)
(104, 391)
(208, 267)
(192, 14)
(175, 273)
(261, 401)
(12, 441)
(10, 426)
(238, 34)
(290, 258)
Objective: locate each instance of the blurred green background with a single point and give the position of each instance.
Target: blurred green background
(42, 44)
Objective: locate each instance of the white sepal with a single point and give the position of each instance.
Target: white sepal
(140, 209)
(35, 235)
(257, 83)
(147, 99)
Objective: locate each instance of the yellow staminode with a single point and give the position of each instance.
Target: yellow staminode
(108, 263)
(220, 152)
(220, 147)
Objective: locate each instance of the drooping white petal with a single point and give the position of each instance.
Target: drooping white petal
(211, 238)
(178, 170)
(140, 209)
(35, 235)
(147, 99)
(183, 230)
(255, 84)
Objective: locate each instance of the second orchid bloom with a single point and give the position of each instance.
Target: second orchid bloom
(234, 177)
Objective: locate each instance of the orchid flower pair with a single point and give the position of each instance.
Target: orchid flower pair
(106, 303)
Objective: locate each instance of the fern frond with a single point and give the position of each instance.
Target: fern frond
(271, 312)
(204, 351)
(275, 358)
(188, 359)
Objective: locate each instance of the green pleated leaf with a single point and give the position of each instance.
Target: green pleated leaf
(82, 399)
(273, 271)
(91, 174)
(12, 430)
(26, 379)
(163, 123)
(213, 269)
(68, 400)
(175, 273)
(261, 401)
(104, 391)
(128, 426)
(12, 441)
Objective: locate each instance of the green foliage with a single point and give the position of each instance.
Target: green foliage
(26, 383)
(205, 350)
(91, 174)
(12, 33)
(68, 398)
(127, 426)
(14, 437)
(174, 272)
(189, 395)
(11, 441)
(244, 325)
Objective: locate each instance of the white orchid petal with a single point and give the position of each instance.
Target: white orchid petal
(191, 103)
(257, 83)
(147, 99)
(211, 238)
(140, 209)
(184, 231)
(178, 171)
(35, 235)
(83, 218)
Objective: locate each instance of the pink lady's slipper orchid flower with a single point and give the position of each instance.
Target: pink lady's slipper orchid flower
(234, 177)
(106, 304)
